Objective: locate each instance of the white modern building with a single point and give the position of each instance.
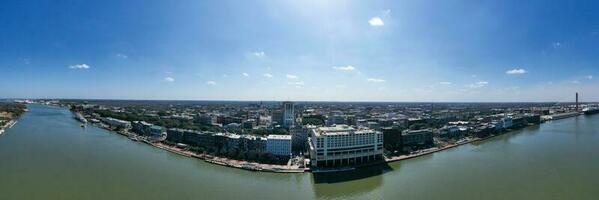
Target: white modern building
(504, 123)
(117, 123)
(288, 114)
(279, 145)
(507, 122)
(342, 145)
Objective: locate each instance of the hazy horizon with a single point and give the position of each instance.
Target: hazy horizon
(297, 101)
(336, 51)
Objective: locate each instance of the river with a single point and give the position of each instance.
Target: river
(47, 155)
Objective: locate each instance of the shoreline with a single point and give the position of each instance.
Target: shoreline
(254, 166)
(9, 125)
(222, 161)
(406, 157)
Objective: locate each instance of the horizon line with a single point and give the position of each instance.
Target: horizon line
(340, 101)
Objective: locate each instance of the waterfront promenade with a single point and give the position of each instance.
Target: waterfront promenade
(254, 166)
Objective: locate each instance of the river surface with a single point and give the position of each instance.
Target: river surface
(47, 155)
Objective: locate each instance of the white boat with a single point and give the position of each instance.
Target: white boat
(590, 111)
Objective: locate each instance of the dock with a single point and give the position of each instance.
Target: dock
(560, 116)
(10, 124)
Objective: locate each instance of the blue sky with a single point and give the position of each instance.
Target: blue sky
(300, 50)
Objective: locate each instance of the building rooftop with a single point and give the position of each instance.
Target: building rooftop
(279, 137)
(233, 136)
(117, 120)
(408, 132)
(341, 130)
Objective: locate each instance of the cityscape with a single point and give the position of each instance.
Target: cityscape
(319, 137)
(299, 99)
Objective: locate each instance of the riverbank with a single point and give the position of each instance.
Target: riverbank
(240, 164)
(437, 149)
(254, 166)
(560, 116)
(8, 125)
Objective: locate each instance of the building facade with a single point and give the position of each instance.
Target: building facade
(277, 117)
(420, 138)
(288, 114)
(342, 145)
(279, 145)
(336, 119)
(116, 123)
(392, 139)
(453, 132)
(299, 137)
(144, 128)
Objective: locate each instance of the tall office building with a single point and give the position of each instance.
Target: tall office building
(288, 114)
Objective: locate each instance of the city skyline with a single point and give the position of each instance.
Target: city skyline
(309, 51)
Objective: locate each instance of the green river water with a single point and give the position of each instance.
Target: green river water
(46, 155)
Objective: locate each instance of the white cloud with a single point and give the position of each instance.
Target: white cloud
(575, 82)
(291, 76)
(344, 68)
(79, 66)
(376, 21)
(590, 77)
(267, 75)
(123, 56)
(169, 79)
(210, 83)
(245, 74)
(478, 84)
(445, 83)
(516, 71)
(259, 54)
(375, 80)
(296, 83)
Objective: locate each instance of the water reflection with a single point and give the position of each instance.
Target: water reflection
(350, 183)
(359, 173)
